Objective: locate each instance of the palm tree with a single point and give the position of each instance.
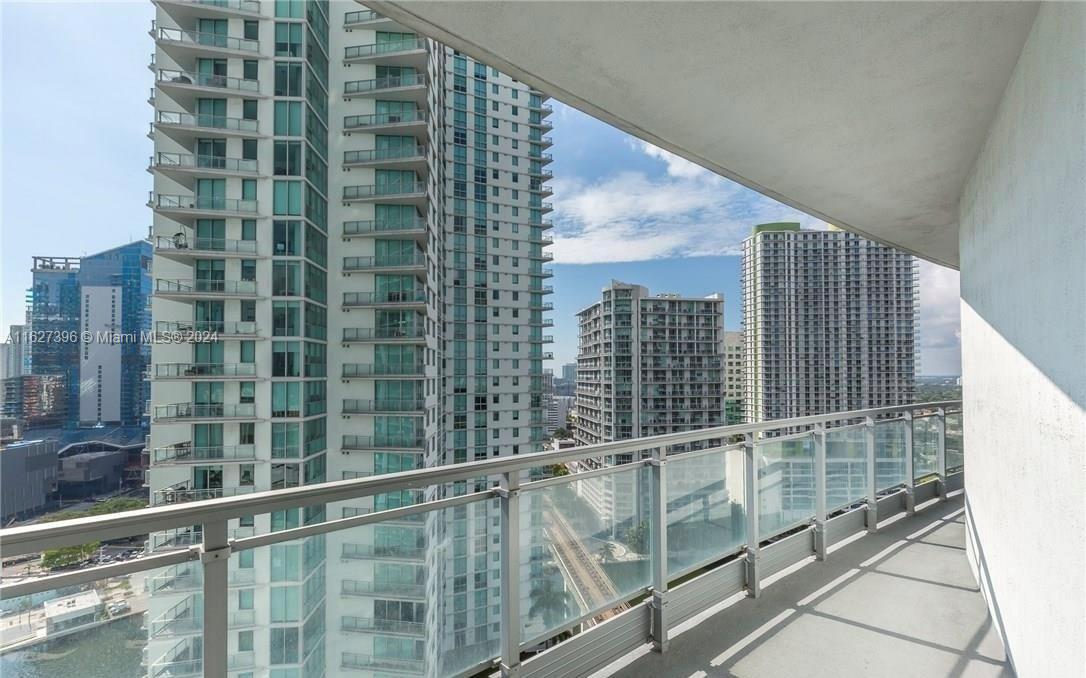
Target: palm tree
(551, 601)
(607, 552)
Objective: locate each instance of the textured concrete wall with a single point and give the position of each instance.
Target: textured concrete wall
(1023, 287)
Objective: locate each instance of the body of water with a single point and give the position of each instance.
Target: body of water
(113, 650)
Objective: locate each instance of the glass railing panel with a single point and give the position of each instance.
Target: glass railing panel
(925, 446)
(786, 486)
(846, 466)
(705, 514)
(955, 448)
(890, 454)
(585, 547)
(91, 630)
(386, 575)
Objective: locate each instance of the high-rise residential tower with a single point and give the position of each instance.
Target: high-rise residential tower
(355, 215)
(828, 322)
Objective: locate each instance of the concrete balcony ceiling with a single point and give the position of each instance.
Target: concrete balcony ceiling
(867, 115)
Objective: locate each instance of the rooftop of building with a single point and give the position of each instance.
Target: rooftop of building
(80, 602)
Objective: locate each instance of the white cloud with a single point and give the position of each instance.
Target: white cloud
(939, 319)
(632, 217)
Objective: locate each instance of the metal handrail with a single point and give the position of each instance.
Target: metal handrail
(206, 121)
(178, 77)
(377, 154)
(371, 120)
(33, 538)
(206, 39)
(211, 162)
(366, 226)
(377, 190)
(387, 82)
(391, 47)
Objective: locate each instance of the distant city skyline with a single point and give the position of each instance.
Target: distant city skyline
(623, 209)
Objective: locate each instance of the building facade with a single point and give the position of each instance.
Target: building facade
(733, 378)
(356, 214)
(829, 323)
(29, 469)
(114, 287)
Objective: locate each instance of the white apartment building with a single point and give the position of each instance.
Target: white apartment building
(356, 215)
(829, 322)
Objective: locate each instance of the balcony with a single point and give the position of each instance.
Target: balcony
(207, 330)
(184, 492)
(366, 18)
(185, 289)
(410, 192)
(409, 122)
(185, 165)
(368, 662)
(355, 443)
(382, 626)
(414, 262)
(415, 229)
(380, 552)
(354, 587)
(394, 299)
(410, 87)
(202, 412)
(200, 205)
(386, 406)
(406, 157)
(372, 370)
(205, 371)
(174, 80)
(402, 52)
(187, 454)
(384, 335)
(181, 247)
(249, 9)
(206, 125)
(203, 43)
(848, 530)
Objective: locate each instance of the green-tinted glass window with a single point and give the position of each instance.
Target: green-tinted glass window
(288, 158)
(287, 197)
(290, 9)
(288, 40)
(248, 109)
(250, 69)
(288, 118)
(288, 79)
(251, 30)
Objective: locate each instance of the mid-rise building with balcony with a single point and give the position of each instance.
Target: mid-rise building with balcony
(349, 225)
(646, 365)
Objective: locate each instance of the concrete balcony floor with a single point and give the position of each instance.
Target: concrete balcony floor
(902, 602)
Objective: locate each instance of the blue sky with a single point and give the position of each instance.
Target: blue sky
(623, 209)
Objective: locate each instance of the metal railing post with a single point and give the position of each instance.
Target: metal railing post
(819, 434)
(872, 516)
(509, 494)
(910, 466)
(659, 628)
(215, 556)
(940, 452)
(751, 505)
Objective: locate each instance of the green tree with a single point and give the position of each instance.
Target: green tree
(607, 552)
(561, 434)
(68, 555)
